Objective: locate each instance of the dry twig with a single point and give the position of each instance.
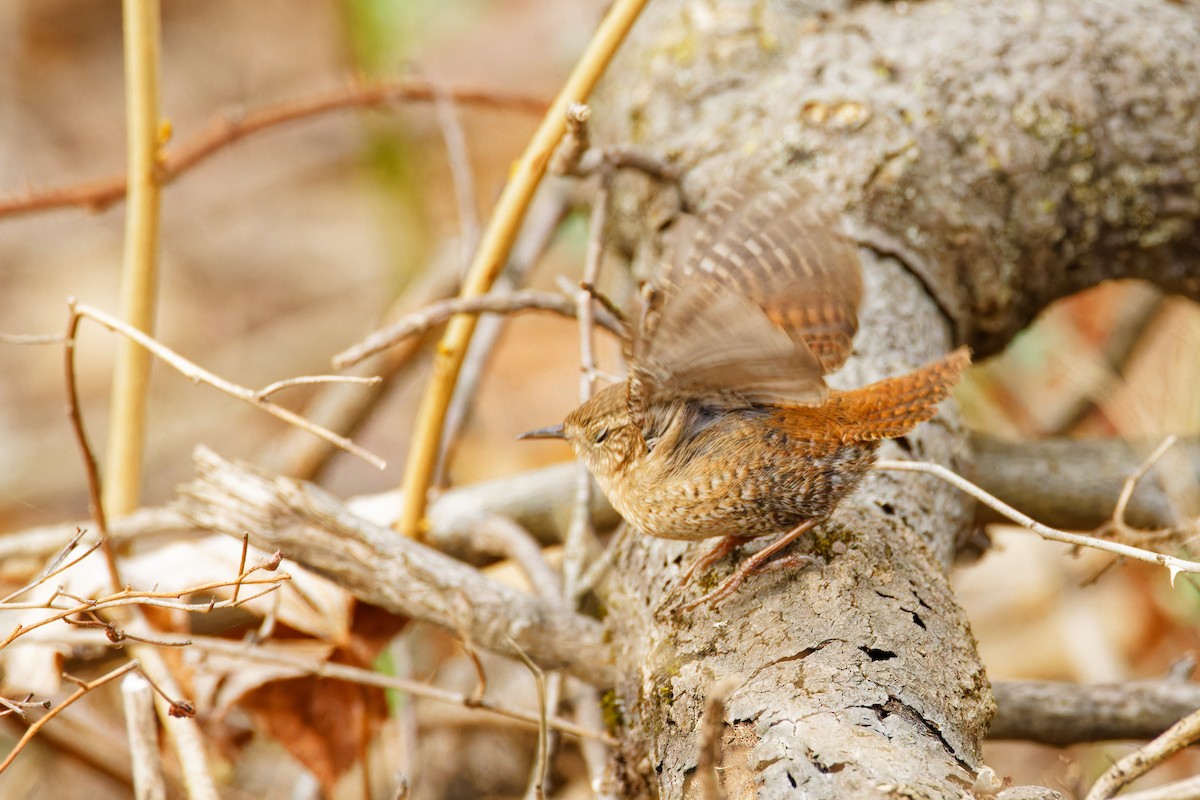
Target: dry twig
(18, 706)
(450, 124)
(1074, 483)
(231, 127)
(310, 380)
(1118, 526)
(575, 142)
(139, 268)
(507, 539)
(436, 313)
(343, 408)
(142, 729)
(1134, 479)
(1060, 713)
(707, 778)
(464, 195)
(200, 375)
(581, 536)
(1180, 735)
(130, 597)
(266, 654)
(83, 688)
(31, 338)
(56, 566)
(537, 780)
(1174, 565)
(1186, 789)
(91, 470)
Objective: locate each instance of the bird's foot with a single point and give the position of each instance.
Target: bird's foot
(756, 562)
(718, 551)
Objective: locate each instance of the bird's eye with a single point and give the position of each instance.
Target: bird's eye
(601, 436)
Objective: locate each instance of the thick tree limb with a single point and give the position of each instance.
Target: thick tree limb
(991, 157)
(1058, 713)
(387, 570)
(539, 501)
(1075, 483)
(1005, 155)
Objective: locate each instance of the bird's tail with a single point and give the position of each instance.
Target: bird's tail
(894, 406)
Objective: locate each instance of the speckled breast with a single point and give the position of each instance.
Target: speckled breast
(755, 492)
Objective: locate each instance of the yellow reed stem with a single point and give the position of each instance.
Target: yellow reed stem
(493, 251)
(127, 422)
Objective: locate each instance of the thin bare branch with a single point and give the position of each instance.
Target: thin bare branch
(537, 779)
(55, 568)
(18, 706)
(1074, 483)
(1186, 789)
(436, 313)
(91, 469)
(31, 338)
(310, 380)
(84, 688)
(1060, 713)
(201, 375)
(237, 586)
(344, 408)
(446, 110)
(575, 142)
(177, 709)
(130, 597)
(1180, 735)
(142, 729)
(531, 243)
(581, 543)
(124, 456)
(266, 654)
(1135, 478)
(507, 539)
(586, 702)
(606, 159)
(232, 126)
(1174, 565)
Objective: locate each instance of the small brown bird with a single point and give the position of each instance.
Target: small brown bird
(725, 427)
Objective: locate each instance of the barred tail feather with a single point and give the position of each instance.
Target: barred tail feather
(894, 406)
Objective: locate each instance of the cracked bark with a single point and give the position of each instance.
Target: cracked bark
(990, 158)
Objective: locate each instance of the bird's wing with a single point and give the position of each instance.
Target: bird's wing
(779, 245)
(759, 302)
(707, 343)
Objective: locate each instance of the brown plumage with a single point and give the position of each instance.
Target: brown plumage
(725, 427)
(692, 471)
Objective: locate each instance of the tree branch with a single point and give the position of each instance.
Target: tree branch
(231, 127)
(1060, 714)
(390, 571)
(988, 163)
(1075, 483)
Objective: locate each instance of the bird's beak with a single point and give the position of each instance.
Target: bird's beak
(553, 432)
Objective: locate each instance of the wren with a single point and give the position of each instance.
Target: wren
(725, 427)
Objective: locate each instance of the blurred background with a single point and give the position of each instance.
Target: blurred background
(289, 246)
